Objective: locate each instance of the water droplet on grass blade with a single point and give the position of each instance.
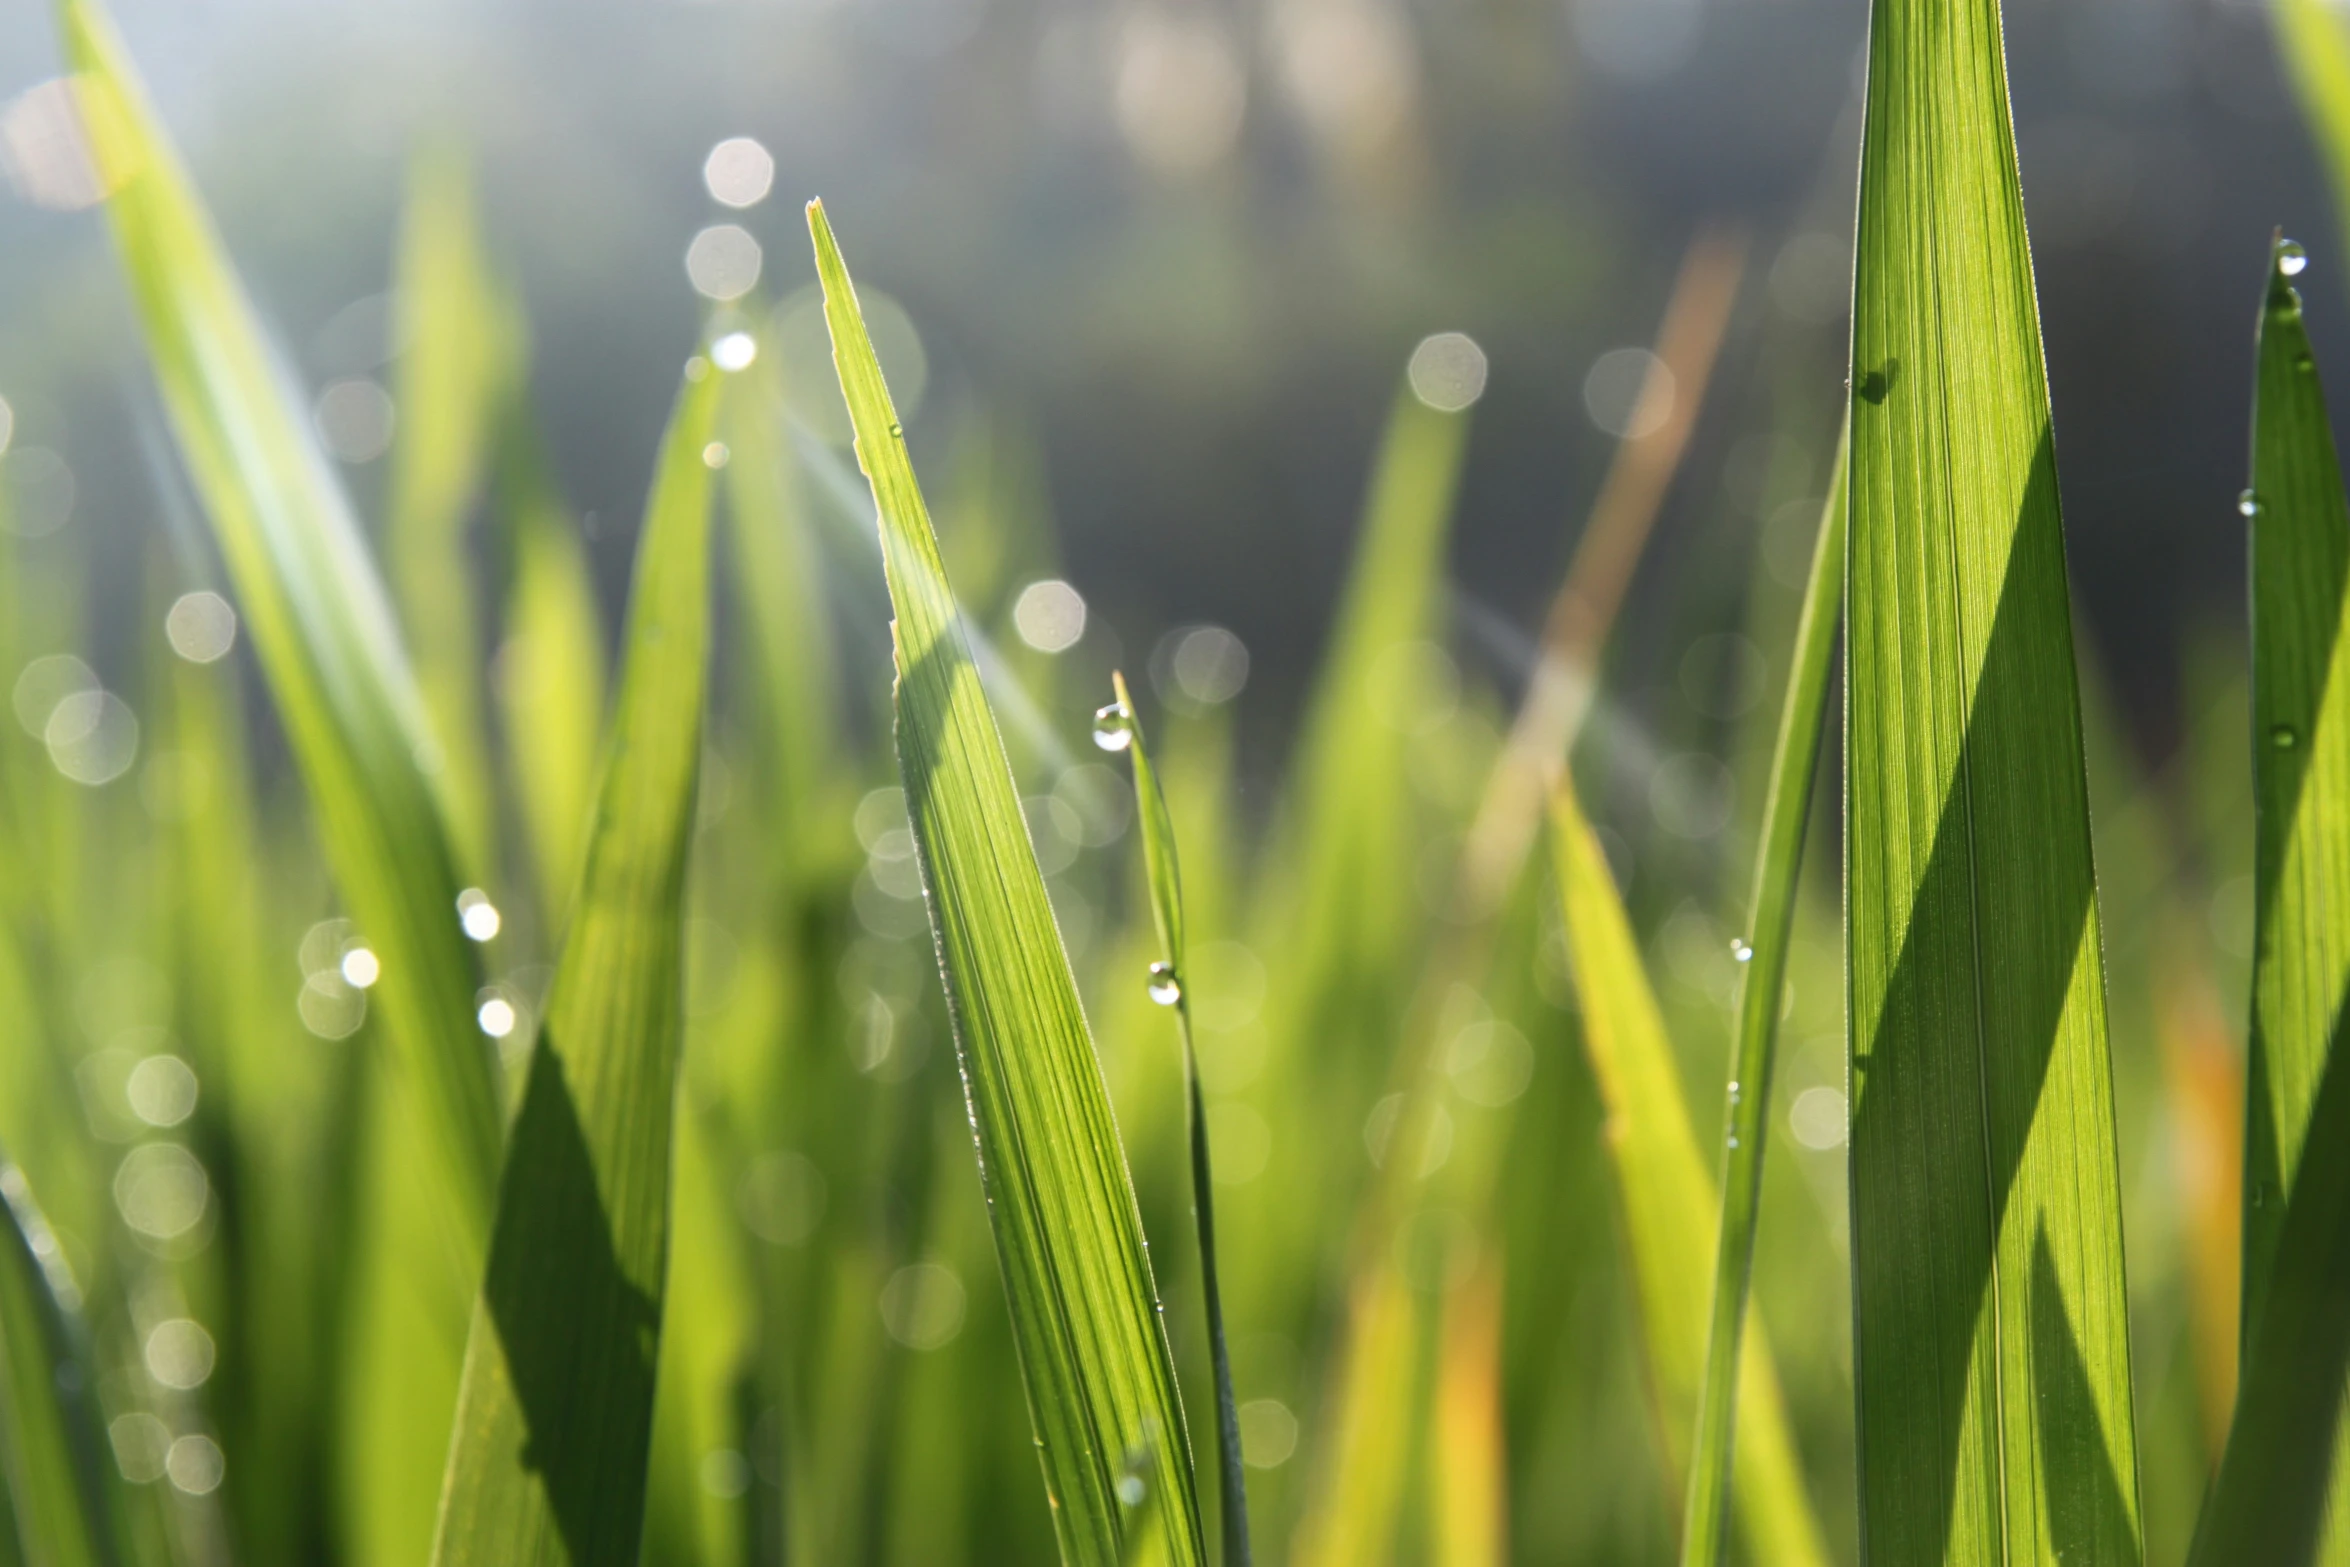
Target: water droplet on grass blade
(1740, 950)
(1113, 727)
(1131, 1490)
(2291, 258)
(715, 455)
(1165, 988)
(2248, 503)
(2284, 737)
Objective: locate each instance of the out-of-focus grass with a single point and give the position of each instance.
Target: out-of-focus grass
(1464, 1260)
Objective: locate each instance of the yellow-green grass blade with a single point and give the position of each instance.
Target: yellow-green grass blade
(1705, 1536)
(550, 668)
(778, 575)
(2315, 52)
(52, 1446)
(456, 353)
(320, 622)
(2284, 1440)
(1084, 1306)
(1669, 1211)
(1991, 1349)
(1157, 830)
(555, 1413)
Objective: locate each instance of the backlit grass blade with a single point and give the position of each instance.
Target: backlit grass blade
(551, 668)
(52, 1441)
(316, 610)
(1991, 1346)
(455, 341)
(1668, 1208)
(2274, 1476)
(1084, 1307)
(1166, 900)
(1763, 952)
(2314, 49)
(555, 1414)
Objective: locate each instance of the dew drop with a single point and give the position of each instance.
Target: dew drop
(2248, 503)
(1733, 1093)
(2284, 737)
(897, 431)
(2303, 363)
(1113, 727)
(1733, 1139)
(1740, 950)
(715, 455)
(1131, 1490)
(1165, 988)
(2291, 258)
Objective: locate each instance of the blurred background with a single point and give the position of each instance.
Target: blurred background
(1185, 248)
(1146, 278)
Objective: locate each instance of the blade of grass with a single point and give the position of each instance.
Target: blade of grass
(1472, 1463)
(551, 669)
(1364, 1473)
(1991, 1343)
(52, 1448)
(1084, 1307)
(316, 610)
(455, 354)
(1166, 900)
(2315, 53)
(555, 1413)
(2274, 1476)
(1763, 956)
(1667, 1204)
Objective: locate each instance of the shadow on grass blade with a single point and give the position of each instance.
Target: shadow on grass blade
(1084, 1307)
(1991, 1328)
(554, 1419)
(2284, 1455)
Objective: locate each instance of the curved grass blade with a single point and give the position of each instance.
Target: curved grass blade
(555, 1413)
(1084, 1307)
(1668, 1207)
(1991, 1344)
(316, 610)
(2274, 1476)
(52, 1448)
(1166, 897)
(1705, 1537)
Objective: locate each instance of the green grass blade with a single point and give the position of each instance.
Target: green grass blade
(1787, 808)
(1084, 1307)
(1166, 899)
(52, 1446)
(1991, 1346)
(551, 670)
(456, 353)
(1668, 1207)
(781, 583)
(555, 1414)
(316, 610)
(2273, 1478)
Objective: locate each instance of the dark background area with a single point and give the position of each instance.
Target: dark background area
(1186, 248)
